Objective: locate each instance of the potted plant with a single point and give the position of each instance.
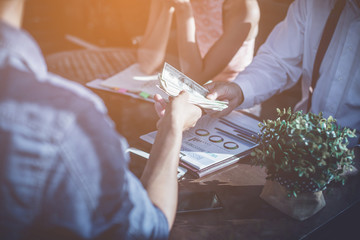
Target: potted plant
(302, 154)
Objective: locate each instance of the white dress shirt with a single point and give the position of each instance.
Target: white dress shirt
(289, 52)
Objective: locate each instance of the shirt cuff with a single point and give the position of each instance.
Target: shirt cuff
(248, 93)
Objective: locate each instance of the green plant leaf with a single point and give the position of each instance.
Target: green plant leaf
(304, 145)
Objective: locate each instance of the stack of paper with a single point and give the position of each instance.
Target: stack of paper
(133, 80)
(216, 143)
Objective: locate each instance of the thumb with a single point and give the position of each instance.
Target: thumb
(210, 87)
(212, 96)
(217, 91)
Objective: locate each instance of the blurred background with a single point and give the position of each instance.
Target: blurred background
(110, 23)
(115, 24)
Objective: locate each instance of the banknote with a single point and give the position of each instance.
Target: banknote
(174, 76)
(172, 81)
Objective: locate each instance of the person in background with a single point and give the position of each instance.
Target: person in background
(63, 167)
(290, 51)
(215, 38)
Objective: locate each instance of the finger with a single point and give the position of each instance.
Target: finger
(218, 92)
(214, 89)
(184, 94)
(209, 86)
(162, 113)
(158, 123)
(163, 103)
(171, 98)
(160, 109)
(212, 96)
(224, 91)
(157, 97)
(160, 100)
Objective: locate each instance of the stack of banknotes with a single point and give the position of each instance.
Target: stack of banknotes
(172, 81)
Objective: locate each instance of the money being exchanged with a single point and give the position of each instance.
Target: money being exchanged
(172, 81)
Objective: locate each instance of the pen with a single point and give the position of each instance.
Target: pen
(234, 125)
(234, 136)
(237, 127)
(250, 138)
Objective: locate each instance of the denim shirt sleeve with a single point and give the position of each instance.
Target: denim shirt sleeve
(118, 203)
(64, 170)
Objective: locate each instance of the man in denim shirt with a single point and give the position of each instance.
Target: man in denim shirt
(63, 167)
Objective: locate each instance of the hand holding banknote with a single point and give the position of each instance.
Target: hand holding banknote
(185, 114)
(173, 82)
(225, 90)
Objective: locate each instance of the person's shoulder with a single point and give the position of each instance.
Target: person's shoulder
(306, 8)
(56, 102)
(314, 5)
(75, 90)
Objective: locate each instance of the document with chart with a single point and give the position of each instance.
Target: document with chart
(216, 143)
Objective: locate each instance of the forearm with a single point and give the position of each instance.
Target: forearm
(189, 54)
(155, 10)
(278, 64)
(241, 23)
(159, 177)
(152, 49)
(222, 52)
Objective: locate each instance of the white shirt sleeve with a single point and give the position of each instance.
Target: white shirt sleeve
(278, 64)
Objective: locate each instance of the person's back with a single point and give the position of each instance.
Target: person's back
(63, 168)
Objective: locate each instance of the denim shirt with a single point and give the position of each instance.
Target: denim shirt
(63, 167)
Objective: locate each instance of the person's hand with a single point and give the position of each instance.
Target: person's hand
(225, 91)
(160, 105)
(178, 111)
